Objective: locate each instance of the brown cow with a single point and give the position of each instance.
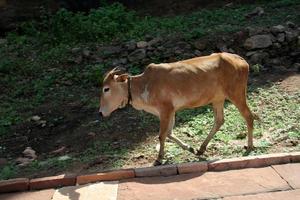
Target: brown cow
(166, 88)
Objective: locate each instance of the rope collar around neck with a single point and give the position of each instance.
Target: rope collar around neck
(129, 90)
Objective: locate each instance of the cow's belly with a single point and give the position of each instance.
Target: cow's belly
(195, 100)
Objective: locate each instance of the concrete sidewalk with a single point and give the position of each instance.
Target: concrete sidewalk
(274, 182)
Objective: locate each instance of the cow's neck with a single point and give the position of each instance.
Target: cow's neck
(140, 95)
(136, 88)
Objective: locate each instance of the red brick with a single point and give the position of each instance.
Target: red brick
(249, 162)
(165, 170)
(295, 156)
(52, 182)
(274, 159)
(106, 176)
(13, 185)
(186, 168)
(228, 164)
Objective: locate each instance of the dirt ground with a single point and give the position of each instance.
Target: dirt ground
(72, 128)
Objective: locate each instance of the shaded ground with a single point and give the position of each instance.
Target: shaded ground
(128, 138)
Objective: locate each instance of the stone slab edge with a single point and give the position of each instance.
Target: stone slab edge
(52, 182)
(105, 176)
(253, 161)
(23, 184)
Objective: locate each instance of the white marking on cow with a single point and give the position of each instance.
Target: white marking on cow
(145, 94)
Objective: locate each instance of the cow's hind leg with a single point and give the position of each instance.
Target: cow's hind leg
(218, 108)
(178, 141)
(249, 118)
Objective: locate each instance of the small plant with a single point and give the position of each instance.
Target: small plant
(256, 68)
(8, 172)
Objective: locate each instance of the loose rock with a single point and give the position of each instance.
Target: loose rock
(290, 24)
(109, 50)
(291, 36)
(86, 53)
(29, 153)
(131, 45)
(137, 55)
(35, 118)
(154, 41)
(258, 42)
(277, 29)
(222, 47)
(276, 45)
(257, 31)
(197, 53)
(22, 162)
(281, 37)
(258, 11)
(42, 123)
(91, 134)
(64, 158)
(59, 150)
(200, 45)
(259, 57)
(250, 53)
(274, 62)
(142, 44)
(75, 50)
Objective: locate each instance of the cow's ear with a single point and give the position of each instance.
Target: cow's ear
(121, 78)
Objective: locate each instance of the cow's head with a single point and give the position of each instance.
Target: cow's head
(114, 92)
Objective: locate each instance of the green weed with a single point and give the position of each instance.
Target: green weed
(8, 172)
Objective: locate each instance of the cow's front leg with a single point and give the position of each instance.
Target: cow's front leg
(166, 117)
(177, 140)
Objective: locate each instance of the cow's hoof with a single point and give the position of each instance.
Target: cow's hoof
(249, 148)
(192, 150)
(157, 163)
(200, 151)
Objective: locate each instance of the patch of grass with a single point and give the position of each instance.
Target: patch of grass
(8, 172)
(103, 24)
(104, 149)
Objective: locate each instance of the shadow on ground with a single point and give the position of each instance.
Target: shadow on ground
(95, 145)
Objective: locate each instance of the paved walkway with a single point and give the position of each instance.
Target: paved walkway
(274, 182)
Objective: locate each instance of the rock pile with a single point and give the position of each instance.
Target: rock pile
(29, 155)
(274, 47)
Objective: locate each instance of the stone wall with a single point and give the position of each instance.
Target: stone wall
(276, 48)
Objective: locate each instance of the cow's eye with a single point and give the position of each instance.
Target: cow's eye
(106, 89)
